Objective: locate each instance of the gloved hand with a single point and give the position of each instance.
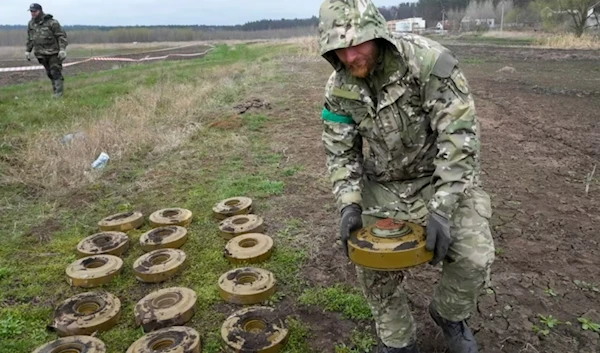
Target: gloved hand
(438, 237)
(62, 55)
(28, 55)
(351, 221)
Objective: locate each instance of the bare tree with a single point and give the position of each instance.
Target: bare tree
(580, 11)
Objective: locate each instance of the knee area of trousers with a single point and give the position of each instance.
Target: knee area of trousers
(55, 75)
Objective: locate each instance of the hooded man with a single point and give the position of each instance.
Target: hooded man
(48, 41)
(408, 99)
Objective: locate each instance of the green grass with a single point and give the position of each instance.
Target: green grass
(361, 341)
(255, 122)
(339, 298)
(89, 93)
(41, 229)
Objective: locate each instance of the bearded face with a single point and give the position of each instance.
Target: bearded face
(361, 59)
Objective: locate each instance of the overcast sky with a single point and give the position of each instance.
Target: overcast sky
(163, 12)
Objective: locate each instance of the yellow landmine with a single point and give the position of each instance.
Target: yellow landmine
(389, 245)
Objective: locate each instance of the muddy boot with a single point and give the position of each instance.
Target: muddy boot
(458, 335)
(58, 88)
(410, 349)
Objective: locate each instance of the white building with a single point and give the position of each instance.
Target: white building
(411, 25)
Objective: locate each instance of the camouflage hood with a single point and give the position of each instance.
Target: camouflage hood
(346, 23)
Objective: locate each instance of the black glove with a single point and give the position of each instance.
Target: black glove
(438, 237)
(351, 221)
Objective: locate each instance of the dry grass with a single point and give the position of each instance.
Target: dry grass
(512, 34)
(309, 46)
(154, 120)
(570, 41)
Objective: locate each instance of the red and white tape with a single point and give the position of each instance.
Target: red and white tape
(39, 67)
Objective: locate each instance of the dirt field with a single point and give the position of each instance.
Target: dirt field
(541, 138)
(8, 78)
(541, 133)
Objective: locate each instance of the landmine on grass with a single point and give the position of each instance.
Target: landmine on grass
(177, 339)
(159, 265)
(234, 206)
(165, 308)
(73, 344)
(94, 271)
(171, 217)
(247, 286)
(122, 222)
(239, 225)
(256, 329)
(105, 243)
(87, 313)
(171, 237)
(389, 245)
(249, 248)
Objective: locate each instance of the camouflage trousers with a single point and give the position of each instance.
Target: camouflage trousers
(53, 66)
(465, 271)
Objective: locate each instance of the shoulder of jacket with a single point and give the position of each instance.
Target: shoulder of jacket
(426, 57)
(335, 87)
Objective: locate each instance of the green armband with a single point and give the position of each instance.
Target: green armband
(335, 118)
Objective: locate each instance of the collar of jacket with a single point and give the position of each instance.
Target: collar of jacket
(390, 68)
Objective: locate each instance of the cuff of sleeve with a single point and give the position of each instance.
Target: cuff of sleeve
(443, 204)
(349, 198)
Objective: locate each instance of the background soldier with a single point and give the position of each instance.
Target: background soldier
(48, 41)
(406, 96)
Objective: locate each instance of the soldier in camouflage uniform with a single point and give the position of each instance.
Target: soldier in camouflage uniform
(407, 98)
(48, 41)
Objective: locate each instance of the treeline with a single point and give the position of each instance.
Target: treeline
(132, 34)
(262, 25)
(264, 29)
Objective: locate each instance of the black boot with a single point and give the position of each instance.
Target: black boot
(458, 335)
(53, 86)
(410, 349)
(58, 88)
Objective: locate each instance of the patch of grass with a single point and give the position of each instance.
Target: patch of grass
(255, 122)
(6, 272)
(298, 338)
(11, 326)
(212, 343)
(291, 171)
(362, 341)
(551, 292)
(285, 264)
(569, 41)
(338, 298)
(128, 112)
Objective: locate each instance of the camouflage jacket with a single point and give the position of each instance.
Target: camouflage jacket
(45, 36)
(415, 113)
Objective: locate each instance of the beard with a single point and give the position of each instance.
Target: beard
(362, 68)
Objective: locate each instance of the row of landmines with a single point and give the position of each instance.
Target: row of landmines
(163, 313)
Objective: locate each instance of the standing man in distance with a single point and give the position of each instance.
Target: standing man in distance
(48, 41)
(407, 98)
